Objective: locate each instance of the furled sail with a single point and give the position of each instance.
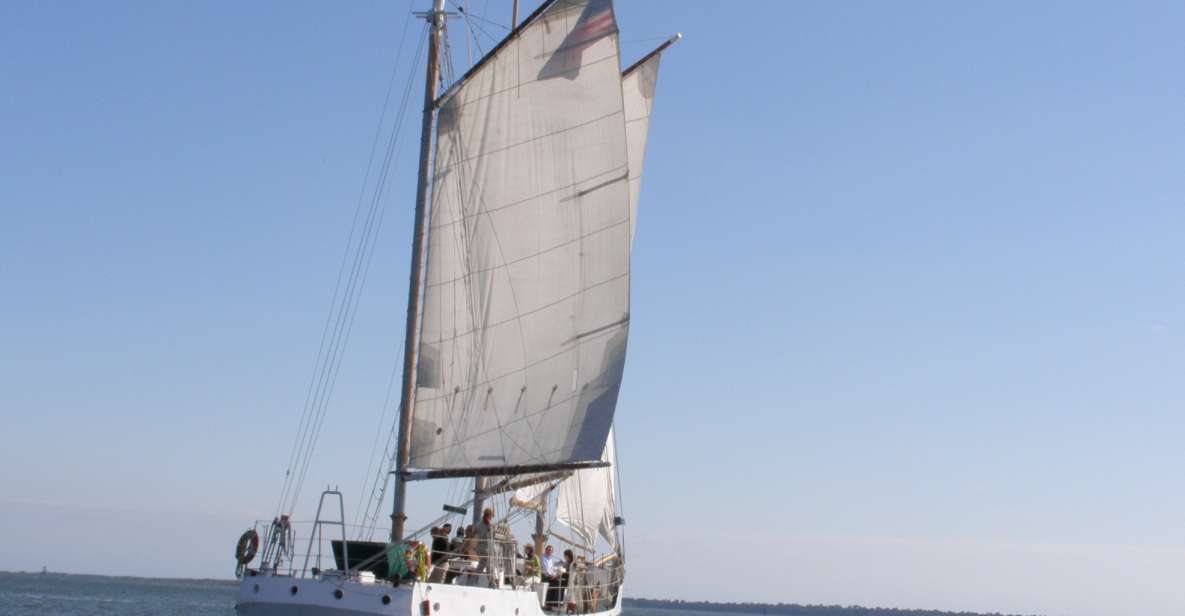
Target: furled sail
(585, 502)
(526, 301)
(531, 497)
(637, 87)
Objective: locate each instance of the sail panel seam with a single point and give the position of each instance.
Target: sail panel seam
(445, 168)
(528, 257)
(538, 362)
(551, 304)
(466, 217)
(477, 99)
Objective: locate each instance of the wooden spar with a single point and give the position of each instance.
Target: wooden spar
(479, 498)
(491, 471)
(671, 41)
(540, 536)
(411, 339)
(492, 52)
(571, 542)
(510, 486)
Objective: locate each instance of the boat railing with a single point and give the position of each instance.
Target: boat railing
(305, 549)
(582, 586)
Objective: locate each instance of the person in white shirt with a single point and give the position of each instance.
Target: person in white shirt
(551, 575)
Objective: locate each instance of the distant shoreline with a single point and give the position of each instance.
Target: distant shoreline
(231, 581)
(779, 609)
(792, 609)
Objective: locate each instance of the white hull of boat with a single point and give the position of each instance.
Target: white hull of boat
(267, 595)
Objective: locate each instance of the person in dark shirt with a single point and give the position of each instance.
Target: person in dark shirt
(456, 548)
(566, 576)
(440, 543)
(485, 546)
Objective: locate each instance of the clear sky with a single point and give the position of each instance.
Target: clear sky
(908, 303)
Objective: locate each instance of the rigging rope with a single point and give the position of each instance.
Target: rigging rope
(344, 303)
(379, 487)
(474, 28)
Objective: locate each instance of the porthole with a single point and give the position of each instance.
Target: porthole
(436, 607)
(338, 594)
(293, 590)
(386, 599)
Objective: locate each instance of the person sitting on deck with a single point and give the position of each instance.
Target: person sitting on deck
(469, 547)
(532, 568)
(455, 551)
(440, 543)
(440, 555)
(455, 546)
(407, 561)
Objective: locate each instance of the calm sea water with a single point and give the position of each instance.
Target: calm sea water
(34, 594)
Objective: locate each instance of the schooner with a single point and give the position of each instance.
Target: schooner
(518, 316)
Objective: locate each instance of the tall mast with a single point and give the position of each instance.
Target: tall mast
(479, 491)
(411, 337)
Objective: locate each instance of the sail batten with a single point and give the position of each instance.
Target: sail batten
(526, 297)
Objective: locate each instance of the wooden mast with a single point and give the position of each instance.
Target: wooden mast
(411, 338)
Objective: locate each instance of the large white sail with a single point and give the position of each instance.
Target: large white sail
(526, 301)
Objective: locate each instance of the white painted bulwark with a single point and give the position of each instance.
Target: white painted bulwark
(268, 595)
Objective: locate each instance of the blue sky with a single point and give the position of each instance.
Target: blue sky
(907, 300)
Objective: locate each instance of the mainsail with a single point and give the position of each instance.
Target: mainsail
(526, 300)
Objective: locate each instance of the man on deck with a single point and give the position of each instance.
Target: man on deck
(485, 540)
(551, 575)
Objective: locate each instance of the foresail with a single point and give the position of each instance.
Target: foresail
(585, 502)
(526, 301)
(638, 85)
